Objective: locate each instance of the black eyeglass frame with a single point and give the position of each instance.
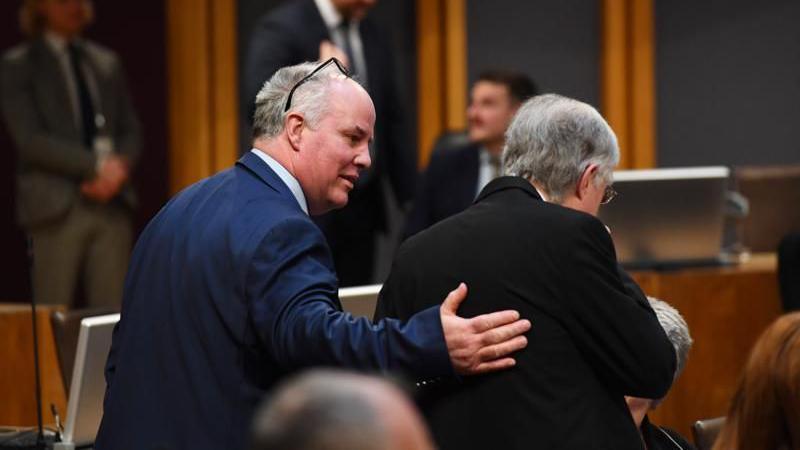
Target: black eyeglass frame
(319, 69)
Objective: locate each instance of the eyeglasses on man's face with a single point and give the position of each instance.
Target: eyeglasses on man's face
(608, 195)
(319, 69)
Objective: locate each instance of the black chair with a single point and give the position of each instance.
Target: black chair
(450, 139)
(66, 326)
(706, 431)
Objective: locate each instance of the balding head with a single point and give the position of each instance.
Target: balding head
(318, 124)
(333, 410)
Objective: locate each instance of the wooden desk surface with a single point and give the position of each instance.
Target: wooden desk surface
(17, 380)
(726, 309)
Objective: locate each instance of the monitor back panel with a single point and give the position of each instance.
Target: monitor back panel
(667, 216)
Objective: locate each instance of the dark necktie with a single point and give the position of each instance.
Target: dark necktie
(344, 29)
(88, 127)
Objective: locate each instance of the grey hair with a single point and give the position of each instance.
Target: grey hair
(309, 99)
(676, 329)
(320, 410)
(553, 139)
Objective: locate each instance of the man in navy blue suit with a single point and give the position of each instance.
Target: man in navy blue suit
(231, 286)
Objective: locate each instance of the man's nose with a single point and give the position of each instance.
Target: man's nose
(363, 159)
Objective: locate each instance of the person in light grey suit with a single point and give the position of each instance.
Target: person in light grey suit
(66, 106)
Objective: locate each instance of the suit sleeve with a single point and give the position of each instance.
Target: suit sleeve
(613, 324)
(36, 147)
(293, 300)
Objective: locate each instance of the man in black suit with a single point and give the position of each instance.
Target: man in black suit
(457, 174)
(532, 242)
(307, 30)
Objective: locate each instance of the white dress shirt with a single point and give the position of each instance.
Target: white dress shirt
(332, 20)
(287, 178)
(486, 172)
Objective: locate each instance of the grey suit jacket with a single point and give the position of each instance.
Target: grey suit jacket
(52, 160)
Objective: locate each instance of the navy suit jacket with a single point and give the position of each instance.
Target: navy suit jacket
(231, 288)
(448, 186)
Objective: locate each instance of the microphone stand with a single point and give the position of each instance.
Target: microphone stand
(40, 442)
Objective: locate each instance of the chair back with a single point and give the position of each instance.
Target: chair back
(706, 431)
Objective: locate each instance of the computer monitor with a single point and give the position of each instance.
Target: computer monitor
(88, 387)
(668, 217)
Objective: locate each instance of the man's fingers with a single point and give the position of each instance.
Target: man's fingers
(454, 298)
(503, 333)
(492, 366)
(486, 322)
(503, 349)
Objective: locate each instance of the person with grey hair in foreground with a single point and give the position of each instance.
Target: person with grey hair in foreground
(531, 242)
(653, 436)
(232, 287)
(336, 410)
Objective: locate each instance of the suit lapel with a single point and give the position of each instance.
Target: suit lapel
(101, 80)
(257, 166)
(314, 29)
(472, 172)
(49, 73)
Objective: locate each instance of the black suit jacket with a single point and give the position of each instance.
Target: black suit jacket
(447, 187)
(291, 34)
(593, 339)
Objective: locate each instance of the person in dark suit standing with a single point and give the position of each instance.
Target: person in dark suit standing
(232, 287)
(309, 30)
(457, 174)
(531, 242)
(66, 106)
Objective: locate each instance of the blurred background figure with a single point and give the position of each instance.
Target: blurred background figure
(333, 410)
(653, 436)
(459, 170)
(66, 105)
(308, 30)
(765, 411)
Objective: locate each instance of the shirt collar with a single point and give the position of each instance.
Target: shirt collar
(329, 14)
(55, 41)
(287, 178)
(541, 194)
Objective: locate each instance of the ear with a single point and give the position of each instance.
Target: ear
(294, 125)
(587, 177)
